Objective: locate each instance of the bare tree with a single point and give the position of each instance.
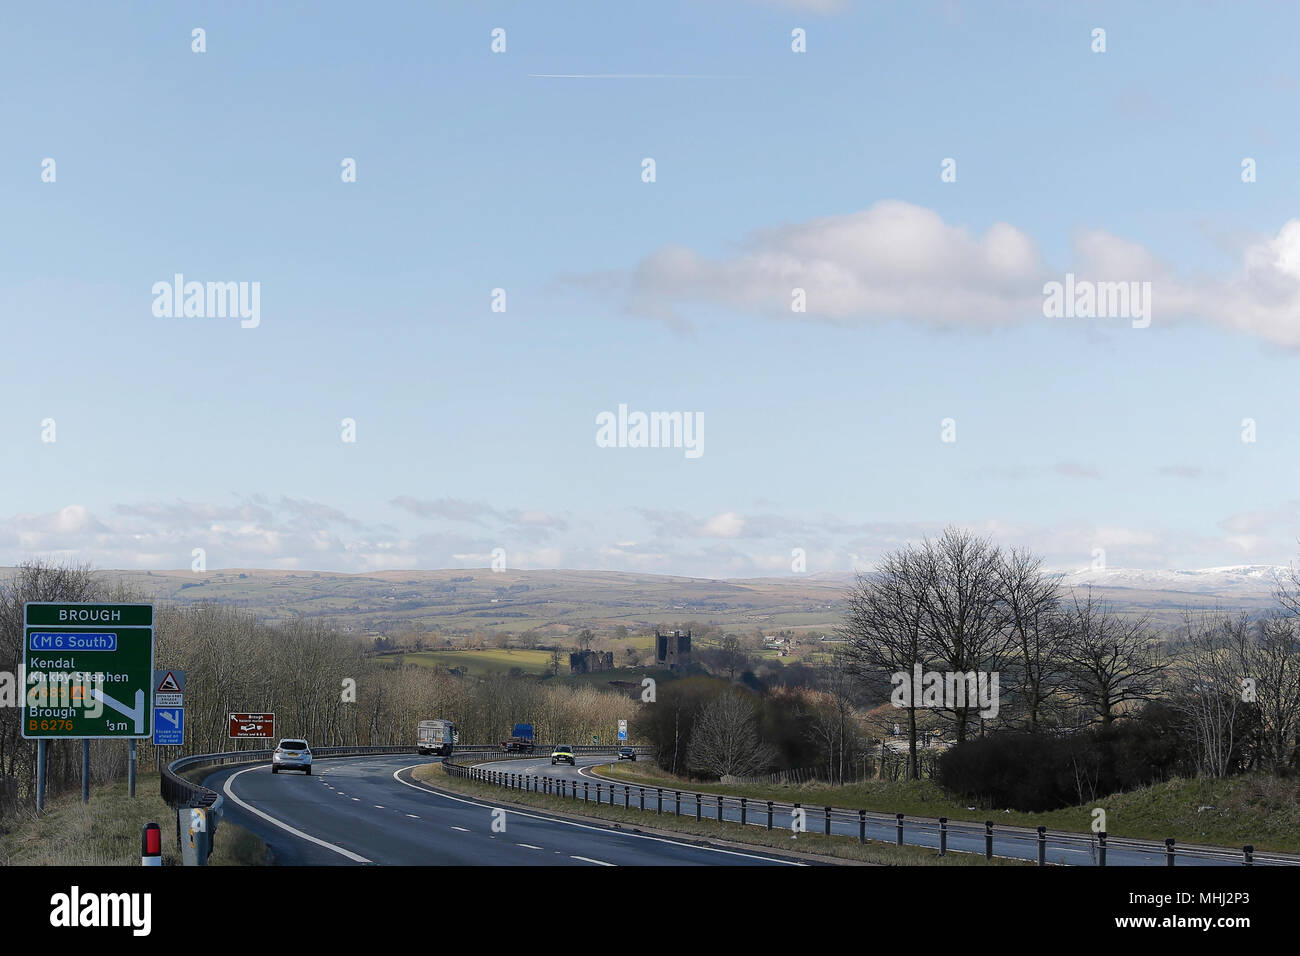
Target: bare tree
(725, 741)
(732, 656)
(1037, 630)
(883, 630)
(964, 614)
(1208, 690)
(1110, 660)
(36, 581)
(1273, 663)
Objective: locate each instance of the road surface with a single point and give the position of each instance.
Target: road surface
(363, 810)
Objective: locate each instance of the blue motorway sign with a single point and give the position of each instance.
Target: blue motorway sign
(169, 726)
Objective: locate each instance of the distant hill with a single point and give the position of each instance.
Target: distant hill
(459, 602)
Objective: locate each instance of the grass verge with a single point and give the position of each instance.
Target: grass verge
(833, 849)
(106, 832)
(1254, 808)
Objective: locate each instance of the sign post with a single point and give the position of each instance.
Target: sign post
(168, 715)
(252, 725)
(169, 708)
(85, 675)
(86, 671)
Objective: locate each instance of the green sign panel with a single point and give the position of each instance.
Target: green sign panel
(87, 670)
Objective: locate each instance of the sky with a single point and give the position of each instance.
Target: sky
(836, 267)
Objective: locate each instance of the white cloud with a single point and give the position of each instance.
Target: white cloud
(891, 260)
(723, 544)
(896, 260)
(726, 525)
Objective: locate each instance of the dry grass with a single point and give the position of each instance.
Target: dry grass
(106, 832)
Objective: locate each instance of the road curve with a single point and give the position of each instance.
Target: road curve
(369, 810)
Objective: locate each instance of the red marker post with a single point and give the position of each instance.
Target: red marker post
(151, 845)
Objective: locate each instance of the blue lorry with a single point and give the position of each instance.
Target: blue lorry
(521, 740)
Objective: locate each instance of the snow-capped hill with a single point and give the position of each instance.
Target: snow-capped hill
(1258, 579)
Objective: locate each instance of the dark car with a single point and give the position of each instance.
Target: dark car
(626, 753)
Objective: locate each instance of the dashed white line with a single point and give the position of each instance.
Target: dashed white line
(413, 816)
(528, 846)
(587, 859)
(587, 826)
(356, 857)
(461, 829)
(378, 807)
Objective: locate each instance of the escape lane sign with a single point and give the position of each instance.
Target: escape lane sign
(87, 670)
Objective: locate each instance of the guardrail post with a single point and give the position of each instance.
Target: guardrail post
(719, 808)
(1042, 846)
(988, 839)
(1169, 851)
(742, 811)
(659, 800)
(828, 821)
(40, 775)
(769, 814)
(677, 803)
(862, 826)
(598, 786)
(627, 797)
(698, 803)
(898, 818)
(642, 792)
(1247, 855)
(586, 792)
(1101, 848)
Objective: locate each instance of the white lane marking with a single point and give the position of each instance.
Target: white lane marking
(461, 829)
(585, 826)
(356, 857)
(587, 859)
(413, 816)
(356, 799)
(378, 807)
(528, 846)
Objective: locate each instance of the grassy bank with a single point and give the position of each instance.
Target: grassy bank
(1255, 809)
(847, 849)
(106, 832)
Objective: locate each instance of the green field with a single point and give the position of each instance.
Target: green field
(491, 661)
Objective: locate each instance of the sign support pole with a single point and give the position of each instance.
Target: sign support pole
(40, 775)
(130, 770)
(85, 770)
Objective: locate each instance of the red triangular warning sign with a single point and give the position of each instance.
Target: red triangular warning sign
(169, 684)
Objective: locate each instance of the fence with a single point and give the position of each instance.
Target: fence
(1015, 842)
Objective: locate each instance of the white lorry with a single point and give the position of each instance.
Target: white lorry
(435, 737)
